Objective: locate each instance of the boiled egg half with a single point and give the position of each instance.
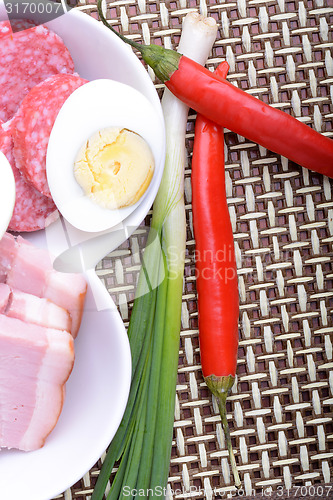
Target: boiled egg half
(105, 154)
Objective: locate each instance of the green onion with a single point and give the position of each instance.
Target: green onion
(143, 440)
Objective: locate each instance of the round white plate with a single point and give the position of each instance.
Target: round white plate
(96, 397)
(7, 193)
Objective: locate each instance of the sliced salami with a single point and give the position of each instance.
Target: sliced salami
(33, 123)
(26, 59)
(32, 210)
(7, 28)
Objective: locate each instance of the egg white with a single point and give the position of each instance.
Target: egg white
(94, 106)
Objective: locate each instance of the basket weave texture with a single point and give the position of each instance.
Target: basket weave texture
(280, 409)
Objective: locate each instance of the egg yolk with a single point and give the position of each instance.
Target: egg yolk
(114, 167)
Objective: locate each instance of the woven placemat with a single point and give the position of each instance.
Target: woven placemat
(280, 409)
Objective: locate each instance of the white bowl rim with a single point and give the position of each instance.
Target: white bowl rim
(7, 193)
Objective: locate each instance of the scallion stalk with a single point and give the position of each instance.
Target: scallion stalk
(144, 437)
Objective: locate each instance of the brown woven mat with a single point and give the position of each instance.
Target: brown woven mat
(280, 410)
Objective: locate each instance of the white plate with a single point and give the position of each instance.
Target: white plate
(103, 55)
(7, 193)
(96, 397)
(97, 54)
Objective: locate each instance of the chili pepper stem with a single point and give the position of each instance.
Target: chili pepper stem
(163, 61)
(220, 387)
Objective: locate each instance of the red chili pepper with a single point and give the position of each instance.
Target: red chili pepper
(216, 272)
(225, 104)
(230, 107)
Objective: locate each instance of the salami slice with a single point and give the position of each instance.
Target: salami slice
(33, 123)
(26, 59)
(32, 210)
(7, 28)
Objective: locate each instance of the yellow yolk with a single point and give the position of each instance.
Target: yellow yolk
(114, 167)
